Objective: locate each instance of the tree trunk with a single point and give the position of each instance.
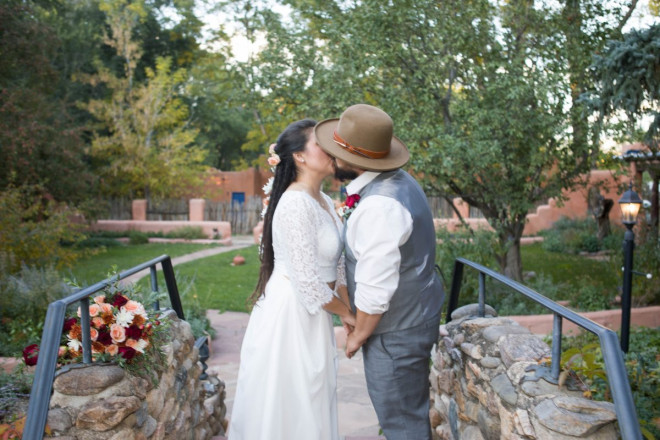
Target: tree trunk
(510, 261)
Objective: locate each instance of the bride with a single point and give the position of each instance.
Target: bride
(288, 373)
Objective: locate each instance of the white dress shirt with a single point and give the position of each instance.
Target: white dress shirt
(375, 230)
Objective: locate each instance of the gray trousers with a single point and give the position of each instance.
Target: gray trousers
(396, 365)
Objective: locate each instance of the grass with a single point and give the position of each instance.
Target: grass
(217, 283)
(567, 268)
(94, 268)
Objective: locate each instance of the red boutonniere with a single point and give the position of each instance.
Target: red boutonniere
(349, 205)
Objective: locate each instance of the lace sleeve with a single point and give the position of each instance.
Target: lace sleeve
(300, 240)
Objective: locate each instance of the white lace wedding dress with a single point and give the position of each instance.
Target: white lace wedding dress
(287, 378)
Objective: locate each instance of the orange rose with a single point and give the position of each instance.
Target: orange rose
(93, 333)
(106, 308)
(112, 350)
(117, 333)
(99, 299)
(98, 322)
(94, 309)
(132, 306)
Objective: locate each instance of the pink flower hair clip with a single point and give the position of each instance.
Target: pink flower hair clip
(274, 158)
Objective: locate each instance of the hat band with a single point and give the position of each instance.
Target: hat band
(357, 150)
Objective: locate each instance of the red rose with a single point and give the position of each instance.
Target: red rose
(104, 337)
(68, 324)
(119, 300)
(352, 200)
(31, 355)
(127, 353)
(134, 332)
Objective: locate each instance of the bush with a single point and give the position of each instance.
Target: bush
(98, 242)
(570, 235)
(15, 390)
(24, 300)
(187, 232)
(136, 237)
(590, 297)
(32, 230)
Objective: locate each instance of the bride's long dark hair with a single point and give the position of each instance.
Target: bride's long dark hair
(291, 140)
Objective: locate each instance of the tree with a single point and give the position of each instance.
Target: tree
(144, 142)
(41, 143)
(627, 82)
(479, 90)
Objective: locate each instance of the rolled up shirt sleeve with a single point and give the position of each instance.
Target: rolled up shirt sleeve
(376, 230)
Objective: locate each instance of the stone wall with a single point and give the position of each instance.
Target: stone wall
(101, 402)
(480, 388)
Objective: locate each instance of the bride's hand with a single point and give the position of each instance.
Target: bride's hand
(348, 322)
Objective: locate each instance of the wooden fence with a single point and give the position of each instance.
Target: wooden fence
(242, 216)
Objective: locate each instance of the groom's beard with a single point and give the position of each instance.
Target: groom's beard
(344, 174)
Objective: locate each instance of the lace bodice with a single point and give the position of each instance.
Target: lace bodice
(308, 247)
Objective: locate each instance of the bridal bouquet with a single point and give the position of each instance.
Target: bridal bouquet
(121, 331)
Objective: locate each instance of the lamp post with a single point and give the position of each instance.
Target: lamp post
(630, 204)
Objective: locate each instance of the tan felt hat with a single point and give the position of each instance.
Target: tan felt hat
(363, 137)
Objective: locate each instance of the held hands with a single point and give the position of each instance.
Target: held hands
(353, 344)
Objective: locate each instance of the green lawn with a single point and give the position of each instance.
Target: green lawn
(216, 283)
(568, 268)
(94, 268)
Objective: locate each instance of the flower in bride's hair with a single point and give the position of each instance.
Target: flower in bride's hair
(274, 158)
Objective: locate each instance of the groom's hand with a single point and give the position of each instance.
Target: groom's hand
(353, 344)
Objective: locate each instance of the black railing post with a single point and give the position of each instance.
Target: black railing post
(170, 281)
(154, 285)
(482, 294)
(84, 324)
(456, 281)
(556, 345)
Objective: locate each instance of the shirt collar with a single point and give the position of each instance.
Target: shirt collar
(360, 182)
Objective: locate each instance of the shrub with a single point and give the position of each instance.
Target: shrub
(98, 242)
(136, 237)
(591, 297)
(24, 300)
(187, 232)
(583, 355)
(33, 228)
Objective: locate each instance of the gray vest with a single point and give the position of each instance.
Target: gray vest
(420, 295)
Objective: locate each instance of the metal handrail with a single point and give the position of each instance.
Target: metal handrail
(52, 333)
(617, 375)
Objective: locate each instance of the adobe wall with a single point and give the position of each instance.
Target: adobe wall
(104, 402)
(480, 388)
(575, 206)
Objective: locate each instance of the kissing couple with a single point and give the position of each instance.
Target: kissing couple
(373, 267)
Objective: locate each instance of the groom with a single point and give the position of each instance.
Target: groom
(390, 260)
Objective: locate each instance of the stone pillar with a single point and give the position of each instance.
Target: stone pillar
(462, 207)
(139, 209)
(196, 209)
